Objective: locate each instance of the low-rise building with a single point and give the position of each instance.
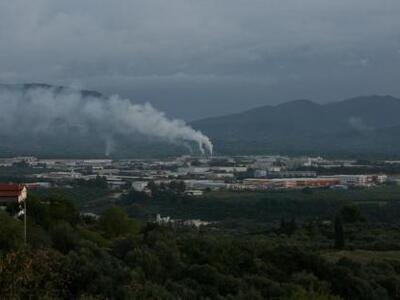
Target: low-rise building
(139, 186)
(13, 193)
(362, 180)
(194, 193)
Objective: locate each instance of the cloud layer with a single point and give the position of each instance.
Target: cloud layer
(230, 53)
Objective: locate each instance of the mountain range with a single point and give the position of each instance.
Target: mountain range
(367, 126)
(357, 127)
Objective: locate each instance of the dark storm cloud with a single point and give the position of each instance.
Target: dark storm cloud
(196, 58)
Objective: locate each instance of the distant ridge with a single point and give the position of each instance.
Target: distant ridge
(366, 126)
(56, 88)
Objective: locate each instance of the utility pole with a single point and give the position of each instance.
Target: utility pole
(25, 239)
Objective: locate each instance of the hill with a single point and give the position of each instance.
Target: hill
(58, 89)
(362, 126)
(358, 127)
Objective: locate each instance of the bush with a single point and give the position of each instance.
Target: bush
(64, 237)
(115, 222)
(11, 232)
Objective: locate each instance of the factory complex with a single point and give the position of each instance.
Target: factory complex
(202, 174)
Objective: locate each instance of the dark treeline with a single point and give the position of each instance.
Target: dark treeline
(378, 204)
(74, 256)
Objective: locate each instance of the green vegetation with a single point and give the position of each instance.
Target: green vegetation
(80, 195)
(69, 256)
(377, 204)
(18, 172)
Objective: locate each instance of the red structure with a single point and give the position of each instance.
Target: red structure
(13, 193)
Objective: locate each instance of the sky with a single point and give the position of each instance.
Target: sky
(194, 59)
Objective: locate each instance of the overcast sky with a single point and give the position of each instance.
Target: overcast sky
(196, 58)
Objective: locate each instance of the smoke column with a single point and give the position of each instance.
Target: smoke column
(110, 146)
(41, 109)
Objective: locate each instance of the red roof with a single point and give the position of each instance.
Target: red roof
(10, 190)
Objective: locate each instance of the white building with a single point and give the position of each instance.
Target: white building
(196, 223)
(139, 185)
(163, 220)
(194, 193)
(362, 180)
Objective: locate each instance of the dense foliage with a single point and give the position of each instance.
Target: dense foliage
(379, 204)
(73, 256)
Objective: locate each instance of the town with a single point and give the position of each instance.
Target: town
(202, 174)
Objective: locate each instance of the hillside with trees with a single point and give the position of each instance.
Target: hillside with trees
(363, 126)
(75, 256)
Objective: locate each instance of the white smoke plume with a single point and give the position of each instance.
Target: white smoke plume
(41, 109)
(110, 145)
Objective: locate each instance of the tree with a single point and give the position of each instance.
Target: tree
(134, 197)
(351, 213)
(95, 273)
(288, 228)
(339, 233)
(303, 294)
(38, 274)
(115, 222)
(38, 211)
(177, 186)
(292, 226)
(98, 182)
(11, 232)
(63, 209)
(307, 191)
(152, 186)
(64, 237)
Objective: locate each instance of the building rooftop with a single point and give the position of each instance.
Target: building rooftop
(12, 192)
